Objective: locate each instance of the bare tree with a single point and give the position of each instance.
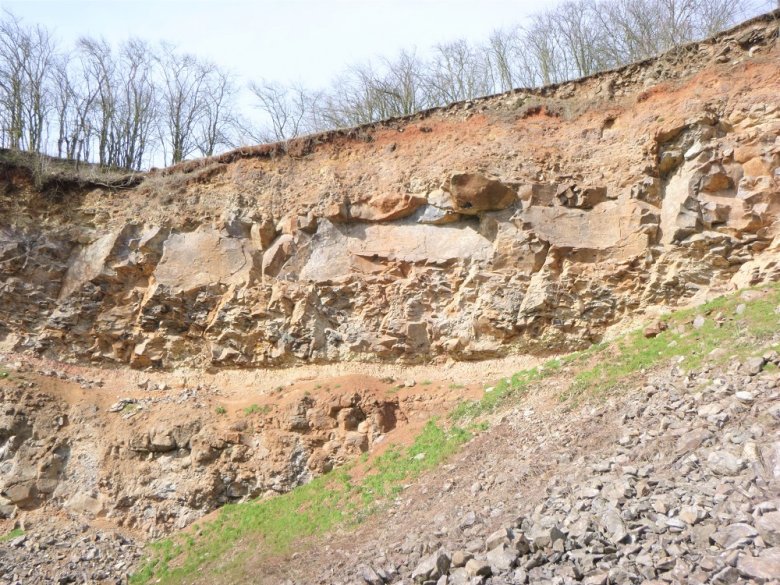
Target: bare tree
(543, 49)
(181, 101)
(577, 38)
(136, 109)
(284, 107)
(716, 15)
(100, 71)
(352, 99)
(400, 89)
(500, 54)
(628, 31)
(457, 72)
(39, 99)
(77, 101)
(26, 56)
(124, 105)
(510, 59)
(682, 21)
(217, 119)
(12, 84)
(574, 24)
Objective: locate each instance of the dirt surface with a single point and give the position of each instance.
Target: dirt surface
(512, 462)
(541, 453)
(101, 411)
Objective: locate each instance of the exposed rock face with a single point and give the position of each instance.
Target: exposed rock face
(500, 226)
(159, 462)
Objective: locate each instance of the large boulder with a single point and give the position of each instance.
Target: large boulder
(762, 568)
(202, 258)
(473, 193)
(89, 262)
(384, 207)
(279, 252)
(768, 527)
(263, 233)
(432, 567)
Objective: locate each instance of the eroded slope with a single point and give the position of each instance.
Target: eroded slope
(529, 221)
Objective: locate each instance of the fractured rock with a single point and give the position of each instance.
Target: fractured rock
(768, 526)
(764, 567)
(432, 567)
(724, 463)
(472, 193)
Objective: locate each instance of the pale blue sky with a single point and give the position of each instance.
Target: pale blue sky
(284, 40)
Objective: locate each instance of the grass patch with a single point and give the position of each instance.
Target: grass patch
(15, 533)
(479, 427)
(220, 410)
(738, 334)
(396, 465)
(48, 170)
(604, 366)
(327, 501)
(254, 408)
(515, 387)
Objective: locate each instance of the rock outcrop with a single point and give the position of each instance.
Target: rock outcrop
(525, 222)
(159, 461)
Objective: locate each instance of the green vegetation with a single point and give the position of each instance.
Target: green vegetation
(735, 335)
(130, 407)
(426, 383)
(515, 387)
(455, 386)
(15, 533)
(397, 465)
(604, 366)
(329, 500)
(220, 409)
(3, 374)
(479, 427)
(265, 409)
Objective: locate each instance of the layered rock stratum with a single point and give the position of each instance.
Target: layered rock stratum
(527, 222)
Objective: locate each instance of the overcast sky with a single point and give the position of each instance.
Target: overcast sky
(283, 40)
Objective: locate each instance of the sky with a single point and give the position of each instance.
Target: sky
(308, 41)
